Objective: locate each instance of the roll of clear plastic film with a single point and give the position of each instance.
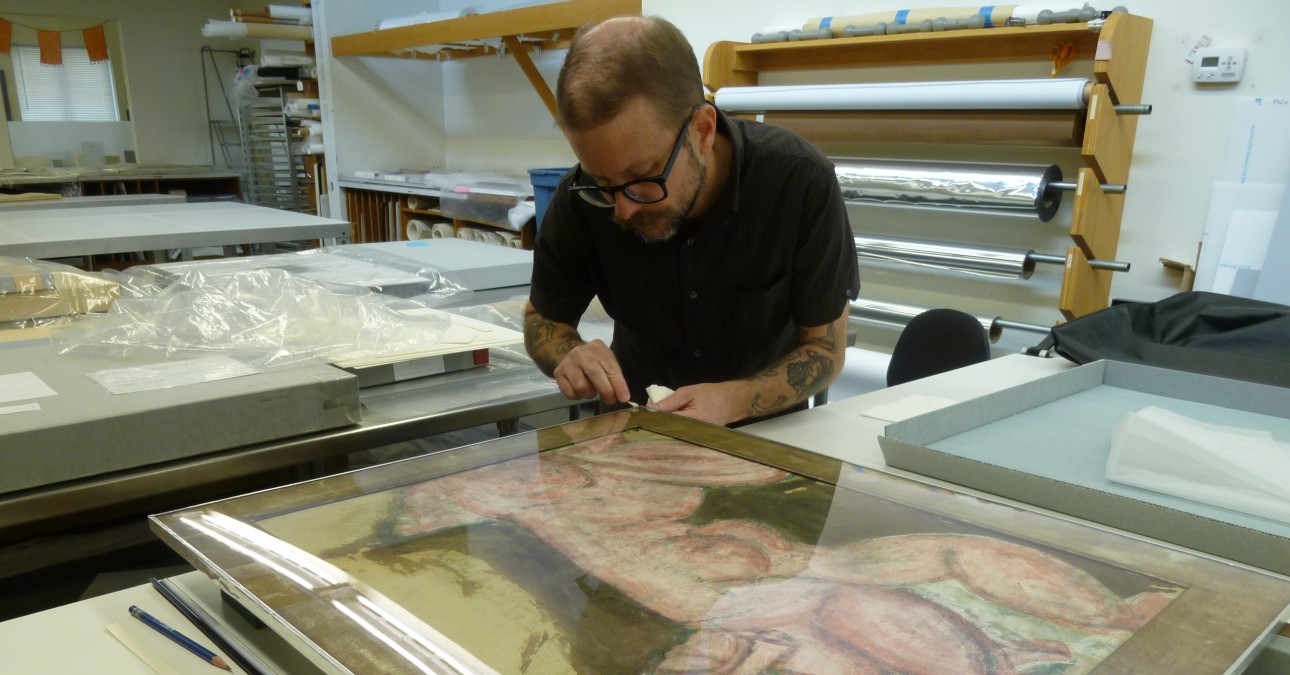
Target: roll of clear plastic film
(1005, 189)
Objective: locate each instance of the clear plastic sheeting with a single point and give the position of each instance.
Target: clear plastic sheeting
(342, 267)
(1226, 466)
(506, 314)
(1005, 189)
(265, 317)
(39, 293)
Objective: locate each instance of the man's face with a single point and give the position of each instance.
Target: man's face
(636, 144)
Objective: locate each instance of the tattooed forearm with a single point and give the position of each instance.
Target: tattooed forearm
(548, 341)
(801, 373)
(758, 407)
(810, 373)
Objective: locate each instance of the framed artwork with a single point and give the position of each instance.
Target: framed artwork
(645, 542)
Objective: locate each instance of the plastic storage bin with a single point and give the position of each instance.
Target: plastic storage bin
(544, 184)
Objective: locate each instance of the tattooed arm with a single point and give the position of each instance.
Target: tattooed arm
(802, 373)
(582, 369)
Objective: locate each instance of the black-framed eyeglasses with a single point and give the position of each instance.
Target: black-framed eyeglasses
(641, 190)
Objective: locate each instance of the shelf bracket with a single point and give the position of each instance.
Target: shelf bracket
(521, 53)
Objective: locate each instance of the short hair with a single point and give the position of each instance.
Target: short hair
(630, 57)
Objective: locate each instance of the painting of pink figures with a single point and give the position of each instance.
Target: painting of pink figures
(637, 552)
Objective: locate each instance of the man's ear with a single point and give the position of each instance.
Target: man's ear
(705, 127)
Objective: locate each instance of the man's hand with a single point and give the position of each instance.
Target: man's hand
(591, 370)
(718, 403)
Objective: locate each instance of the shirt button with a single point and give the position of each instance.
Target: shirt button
(698, 353)
(694, 294)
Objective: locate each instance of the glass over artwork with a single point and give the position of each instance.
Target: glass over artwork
(642, 542)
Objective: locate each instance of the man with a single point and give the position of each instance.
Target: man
(719, 246)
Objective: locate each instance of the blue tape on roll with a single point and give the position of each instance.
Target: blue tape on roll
(901, 15)
(985, 13)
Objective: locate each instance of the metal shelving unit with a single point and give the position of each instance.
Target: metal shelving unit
(276, 175)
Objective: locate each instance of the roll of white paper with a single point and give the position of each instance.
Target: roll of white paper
(443, 231)
(266, 31)
(1037, 94)
(418, 229)
(516, 243)
(290, 13)
(285, 59)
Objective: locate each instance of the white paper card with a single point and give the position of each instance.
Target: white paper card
(22, 386)
(407, 370)
(907, 407)
(1256, 146)
(1244, 248)
(1224, 202)
(26, 407)
(170, 374)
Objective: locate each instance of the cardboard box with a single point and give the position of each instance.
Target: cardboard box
(1046, 443)
(85, 430)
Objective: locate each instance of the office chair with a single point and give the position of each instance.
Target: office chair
(937, 341)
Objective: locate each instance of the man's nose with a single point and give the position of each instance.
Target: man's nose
(624, 206)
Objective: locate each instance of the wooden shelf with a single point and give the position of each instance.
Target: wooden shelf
(542, 21)
(1122, 41)
(521, 30)
(1118, 52)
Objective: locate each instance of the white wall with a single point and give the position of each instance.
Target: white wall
(161, 40)
(491, 119)
(379, 114)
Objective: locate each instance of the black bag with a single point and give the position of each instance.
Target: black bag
(1197, 332)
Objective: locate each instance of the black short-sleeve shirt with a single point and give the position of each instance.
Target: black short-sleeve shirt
(723, 299)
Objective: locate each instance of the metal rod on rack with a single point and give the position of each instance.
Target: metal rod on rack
(1011, 263)
(896, 315)
(1111, 265)
(1109, 188)
(1133, 108)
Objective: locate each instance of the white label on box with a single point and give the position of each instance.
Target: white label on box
(170, 374)
(21, 386)
(407, 370)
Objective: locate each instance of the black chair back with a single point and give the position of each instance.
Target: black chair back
(937, 341)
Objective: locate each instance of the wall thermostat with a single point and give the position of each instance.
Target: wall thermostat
(1218, 65)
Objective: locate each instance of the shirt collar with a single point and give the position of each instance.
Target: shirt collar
(728, 203)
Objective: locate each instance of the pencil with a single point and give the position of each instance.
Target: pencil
(187, 643)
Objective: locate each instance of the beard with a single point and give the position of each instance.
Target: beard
(659, 226)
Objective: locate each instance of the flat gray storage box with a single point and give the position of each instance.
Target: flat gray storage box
(1046, 443)
(480, 266)
(85, 430)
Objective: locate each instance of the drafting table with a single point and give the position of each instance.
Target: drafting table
(60, 233)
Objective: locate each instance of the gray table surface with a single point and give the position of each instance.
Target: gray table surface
(99, 230)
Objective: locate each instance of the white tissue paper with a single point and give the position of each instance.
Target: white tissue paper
(657, 392)
(1230, 467)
